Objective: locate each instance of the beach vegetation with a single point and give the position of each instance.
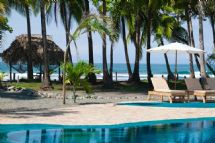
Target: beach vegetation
(76, 75)
(2, 75)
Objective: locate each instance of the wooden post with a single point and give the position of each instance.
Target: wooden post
(10, 72)
(41, 72)
(116, 76)
(14, 76)
(59, 71)
(176, 58)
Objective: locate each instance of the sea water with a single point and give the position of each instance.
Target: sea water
(119, 68)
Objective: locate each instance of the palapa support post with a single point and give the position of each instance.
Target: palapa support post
(176, 61)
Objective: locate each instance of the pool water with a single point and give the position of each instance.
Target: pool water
(171, 105)
(201, 131)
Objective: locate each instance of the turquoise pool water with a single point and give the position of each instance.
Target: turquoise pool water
(172, 105)
(172, 131)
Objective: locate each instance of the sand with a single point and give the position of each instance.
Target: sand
(51, 111)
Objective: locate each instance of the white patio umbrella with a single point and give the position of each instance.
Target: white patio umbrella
(176, 48)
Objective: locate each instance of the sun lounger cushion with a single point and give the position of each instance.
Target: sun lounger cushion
(193, 84)
(211, 83)
(159, 83)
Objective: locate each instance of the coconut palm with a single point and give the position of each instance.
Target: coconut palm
(68, 11)
(46, 84)
(24, 7)
(152, 9)
(120, 11)
(95, 23)
(201, 38)
(92, 76)
(103, 7)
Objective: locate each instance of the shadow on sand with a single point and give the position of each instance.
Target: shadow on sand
(23, 95)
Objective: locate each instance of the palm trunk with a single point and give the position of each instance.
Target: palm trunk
(189, 26)
(136, 75)
(148, 61)
(46, 85)
(126, 48)
(169, 72)
(67, 30)
(64, 73)
(201, 40)
(106, 77)
(213, 28)
(92, 76)
(29, 61)
(111, 60)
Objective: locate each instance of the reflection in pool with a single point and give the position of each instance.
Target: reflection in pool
(188, 132)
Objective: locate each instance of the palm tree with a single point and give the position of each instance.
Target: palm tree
(46, 84)
(24, 7)
(152, 9)
(186, 9)
(201, 38)
(95, 23)
(68, 10)
(92, 76)
(107, 78)
(210, 12)
(108, 82)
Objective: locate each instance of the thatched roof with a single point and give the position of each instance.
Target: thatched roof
(18, 51)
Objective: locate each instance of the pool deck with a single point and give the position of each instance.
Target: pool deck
(103, 114)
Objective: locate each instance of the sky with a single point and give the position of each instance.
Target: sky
(18, 23)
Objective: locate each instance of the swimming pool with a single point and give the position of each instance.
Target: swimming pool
(171, 105)
(172, 131)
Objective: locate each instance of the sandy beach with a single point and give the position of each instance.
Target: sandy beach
(89, 111)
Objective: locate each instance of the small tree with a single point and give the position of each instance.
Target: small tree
(2, 75)
(76, 76)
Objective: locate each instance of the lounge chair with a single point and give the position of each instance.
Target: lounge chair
(161, 89)
(194, 87)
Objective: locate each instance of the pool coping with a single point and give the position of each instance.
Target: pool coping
(20, 127)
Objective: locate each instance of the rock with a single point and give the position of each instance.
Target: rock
(11, 88)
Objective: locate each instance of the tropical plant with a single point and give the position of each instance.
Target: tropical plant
(4, 8)
(95, 23)
(75, 75)
(211, 62)
(2, 75)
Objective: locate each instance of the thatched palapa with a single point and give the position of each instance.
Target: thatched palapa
(18, 51)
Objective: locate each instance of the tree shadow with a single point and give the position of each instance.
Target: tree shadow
(22, 95)
(29, 113)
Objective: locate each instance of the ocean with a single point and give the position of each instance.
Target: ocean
(119, 68)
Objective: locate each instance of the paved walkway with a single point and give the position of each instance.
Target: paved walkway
(102, 114)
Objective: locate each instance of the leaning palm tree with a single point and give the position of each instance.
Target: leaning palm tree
(96, 23)
(68, 11)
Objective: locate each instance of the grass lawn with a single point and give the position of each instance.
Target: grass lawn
(119, 86)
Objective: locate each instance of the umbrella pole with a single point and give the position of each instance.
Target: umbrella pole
(176, 58)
